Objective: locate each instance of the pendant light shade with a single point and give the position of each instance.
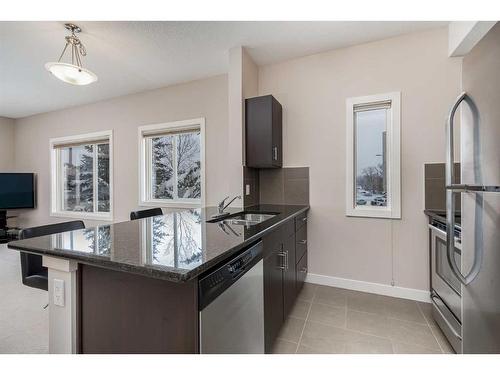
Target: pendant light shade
(72, 73)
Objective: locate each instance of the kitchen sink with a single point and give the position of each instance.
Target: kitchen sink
(248, 219)
(245, 218)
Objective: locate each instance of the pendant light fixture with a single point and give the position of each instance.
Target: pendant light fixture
(72, 73)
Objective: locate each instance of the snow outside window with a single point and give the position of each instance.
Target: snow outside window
(81, 176)
(373, 156)
(172, 164)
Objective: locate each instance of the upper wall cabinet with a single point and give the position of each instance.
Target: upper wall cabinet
(263, 124)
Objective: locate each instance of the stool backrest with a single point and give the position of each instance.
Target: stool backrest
(134, 215)
(45, 230)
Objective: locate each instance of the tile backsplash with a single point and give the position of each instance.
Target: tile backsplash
(251, 179)
(435, 192)
(284, 186)
(276, 186)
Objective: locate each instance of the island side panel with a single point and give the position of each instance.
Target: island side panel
(125, 313)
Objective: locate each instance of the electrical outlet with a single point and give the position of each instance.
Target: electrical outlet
(58, 292)
(247, 189)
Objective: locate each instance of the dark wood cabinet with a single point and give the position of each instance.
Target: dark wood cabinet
(300, 251)
(123, 313)
(284, 274)
(289, 274)
(273, 297)
(263, 132)
(301, 243)
(300, 221)
(301, 273)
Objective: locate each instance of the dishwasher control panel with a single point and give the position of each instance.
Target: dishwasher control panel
(217, 281)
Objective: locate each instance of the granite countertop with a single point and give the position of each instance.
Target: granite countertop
(177, 246)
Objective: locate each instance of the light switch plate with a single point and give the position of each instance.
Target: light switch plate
(58, 289)
(247, 189)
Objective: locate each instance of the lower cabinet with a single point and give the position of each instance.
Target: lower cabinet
(284, 275)
(273, 297)
(301, 272)
(289, 274)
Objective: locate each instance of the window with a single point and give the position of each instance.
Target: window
(82, 176)
(172, 164)
(373, 156)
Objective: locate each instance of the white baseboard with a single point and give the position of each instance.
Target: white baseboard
(375, 288)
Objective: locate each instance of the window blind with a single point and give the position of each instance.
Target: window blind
(97, 141)
(166, 132)
(372, 106)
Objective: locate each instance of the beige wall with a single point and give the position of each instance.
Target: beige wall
(243, 80)
(313, 91)
(6, 144)
(235, 128)
(250, 77)
(203, 98)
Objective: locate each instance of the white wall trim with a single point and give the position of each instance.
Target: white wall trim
(144, 161)
(55, 210)
(63, 330)
(365, 286)
(393, 142)
(464, 35)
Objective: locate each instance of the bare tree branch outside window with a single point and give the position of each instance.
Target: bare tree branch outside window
(176, 166)
(370, 132)
(176, 239)
(79, 180)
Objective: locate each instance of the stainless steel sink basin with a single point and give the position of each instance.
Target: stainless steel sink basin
(248, 219)
(244, 218)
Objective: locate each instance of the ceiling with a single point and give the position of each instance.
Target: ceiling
(130, 57)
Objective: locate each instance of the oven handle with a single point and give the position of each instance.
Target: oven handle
(434, 298)
(440, 231)
(450, 199)
(442, 234)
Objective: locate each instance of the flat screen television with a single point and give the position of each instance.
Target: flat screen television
(17, 190)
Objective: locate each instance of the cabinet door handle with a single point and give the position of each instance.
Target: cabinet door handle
(282, 264)
(304, 219)
(303, 270)
(303, 242)
(275, 153)
(286, 260)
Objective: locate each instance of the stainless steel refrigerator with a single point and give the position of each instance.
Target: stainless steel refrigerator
(479, 272)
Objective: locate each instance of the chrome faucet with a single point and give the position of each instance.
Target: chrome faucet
(222, 206)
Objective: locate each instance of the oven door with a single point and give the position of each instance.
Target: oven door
(444, 282)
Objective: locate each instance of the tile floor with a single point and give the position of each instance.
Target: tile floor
(324, 320)
(24, 324)
(331, 320)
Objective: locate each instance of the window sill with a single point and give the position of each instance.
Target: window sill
(83, 215)
(376, 213)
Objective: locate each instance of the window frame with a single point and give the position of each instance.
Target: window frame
(55, 168)
(145, 163)
(393, 162)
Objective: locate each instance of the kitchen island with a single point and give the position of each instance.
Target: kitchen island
(132, 287)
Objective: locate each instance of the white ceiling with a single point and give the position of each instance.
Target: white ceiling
(131, 57)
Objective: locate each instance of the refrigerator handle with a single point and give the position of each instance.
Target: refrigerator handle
(450, 201)
(474, 188)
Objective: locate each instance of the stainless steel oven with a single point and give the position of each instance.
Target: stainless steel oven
(445, 287)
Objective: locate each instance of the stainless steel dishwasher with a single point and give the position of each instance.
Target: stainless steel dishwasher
(231, 304)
